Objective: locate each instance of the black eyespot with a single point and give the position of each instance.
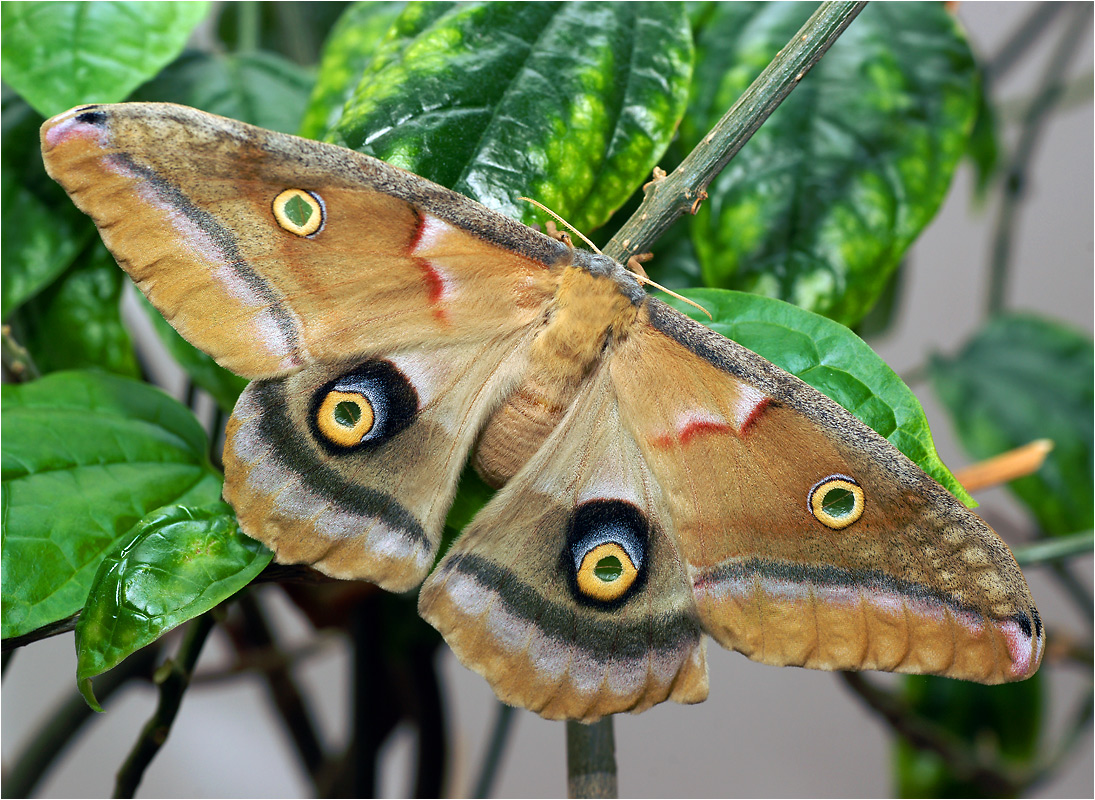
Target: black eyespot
(605, 557)
(91, 117)
(363, 408)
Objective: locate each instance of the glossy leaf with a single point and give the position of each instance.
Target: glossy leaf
(833, 360)
(1006, 717)
(571, 104)
(354, 42)
(1022, 378)
(177, 563)
(58, 55)
(820, 205)
(77, 323)
(85, 456)
(43, 230)
(263, 89)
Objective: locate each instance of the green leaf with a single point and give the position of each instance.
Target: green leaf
(84, 457)
(263, 89)
(820, 205)
(833, 360)
(177, 563)
(570, 103)
(1007, 717)
(222, 385)
(43, 230)
(62, 54)
(352, 45)
(77, 322)
(1022, 378)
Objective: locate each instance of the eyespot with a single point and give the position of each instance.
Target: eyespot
(364, 407)
(836, 501)
(605, 555)
(345, 418)
(298, 211)
(606, 572)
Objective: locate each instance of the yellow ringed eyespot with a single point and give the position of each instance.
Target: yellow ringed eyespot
(837, 501)
(606, 572)
(298, 212)
(345, 417)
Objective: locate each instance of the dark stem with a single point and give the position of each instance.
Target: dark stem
(53, 735)
(18, 363)
(968, 764)
(488, 772)
(429, 714)
(254, 635)
(670, 198)
(38, 634)
(1046, 550)
(591, 759)
(173, 677)
(1049, 92)
(1075, 589)
(374, 714)
(1026, 34)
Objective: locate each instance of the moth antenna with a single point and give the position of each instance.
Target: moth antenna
(577, 232)
(642, 279)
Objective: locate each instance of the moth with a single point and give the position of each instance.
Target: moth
(658, 482)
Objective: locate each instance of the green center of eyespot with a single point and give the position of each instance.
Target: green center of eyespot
(838, 503)
(347, 414)
(297, 210)
(608, 569)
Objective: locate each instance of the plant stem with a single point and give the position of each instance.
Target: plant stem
(1049, 92)
(1026, 34)
(1076, 590)
(172, 688)
(488, 772)
(1054, 549)
(18, 363)
(591, 759)
(968, 764)
(54, 734)
(52, 629)
(254, 634)
(670, 198)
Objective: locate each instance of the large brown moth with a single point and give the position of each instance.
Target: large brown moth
(659, 482)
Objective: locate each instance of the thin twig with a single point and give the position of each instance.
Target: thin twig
(1047, 550)
(591, 759)
(488, 771)
(54, 734)
(1075, 589)
(967, 764)
(17, 362)
(254, 634)
(1049, 92)
(670, 198)
(1026, 34)
(38, 634)
(173, 677)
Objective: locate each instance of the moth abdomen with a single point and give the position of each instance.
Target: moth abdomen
(587, 314)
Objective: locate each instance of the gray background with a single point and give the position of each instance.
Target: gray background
(764, 731)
